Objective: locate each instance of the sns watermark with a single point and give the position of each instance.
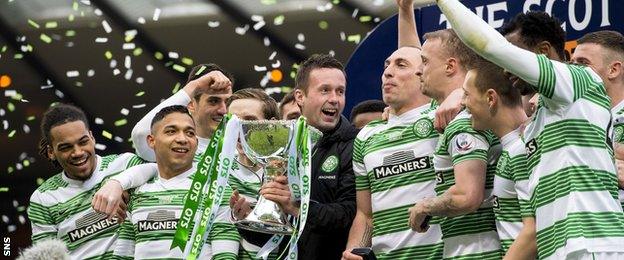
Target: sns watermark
(6, 246)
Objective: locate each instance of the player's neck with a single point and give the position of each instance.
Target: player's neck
(615, 92)
(204, 132)
(417, 101)
(167, 172)
(508, 119)
(451, 85)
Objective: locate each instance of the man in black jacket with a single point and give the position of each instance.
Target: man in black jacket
(320, 92)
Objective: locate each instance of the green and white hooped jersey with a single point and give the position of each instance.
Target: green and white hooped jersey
(61, 208)
(573, 183)
(470, 236)
(155, 208)
(617, 113)
(511, 184)
(393, 160)
(248, 184)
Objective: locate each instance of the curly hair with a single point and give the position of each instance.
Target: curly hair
(538, 26)
(57, 115)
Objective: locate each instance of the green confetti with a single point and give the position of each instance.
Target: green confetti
(4, 189)
(137, 51)
(71, 18)
(187, 61)
(10, 169)
(30, 118)
(45, 38)
(158, 55)
(18, 56)
(29, 48)
(75, 6)
(323, 25)
(354, 38)
(4, 48)
(293, 74)
(366, 18)
(268, 2)
(121, 122)
(176, 88)
(12, 133)
(17, 97)
(70, 33)
(107, 134)
(286, 89)
(21, 208)
(129, 37)
(10, 107)
(108, 55)
(140, 94)
(26, 163)
(336, 2)
(278, 20)
(179, 68)
(40, 181)
(33, 23)
(78, 84)
(50, 25)
(200, 70)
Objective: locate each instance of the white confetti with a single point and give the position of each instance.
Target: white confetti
(15, 203)
(5, 124)
(355, 12)
(260, 68)
(139, 80)
(106, 26)
(259, 25)
(127, 62)
(265, 79)
(26, 129)
(116, 72)
(86, 2)
(5, 219)
(139, 106)
(73, 73)
(332, 53)
(130, 33)
(11, 228)
(101, 40)
(257, 18)
(149, 67)
(272, 55)
(141, 20)
(156, 14)
(22, 156)
(118, 139)
(69, 44)
(301, 37)
(300, 46)
(10, 93)
(213, 24)
(242, 30)
(90, 73)
(276, 65)
(21, 219)
(113, 63)
(267, 42)
(124, 111)
(24, 100)
(173, 55)
(100, 147)
(99, 121)
(128, 74)
(343, 36)
(2, 112)
(59, 93)
(19, 166)
(98, 12)
(128, 46)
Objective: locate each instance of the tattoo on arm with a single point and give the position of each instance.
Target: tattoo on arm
(367, 236)
(441, 206)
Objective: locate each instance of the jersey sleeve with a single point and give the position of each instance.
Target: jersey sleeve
(520, 176)
(143, 127)
(43, 226)
(359, 169)
(468, 145)
(136, 176)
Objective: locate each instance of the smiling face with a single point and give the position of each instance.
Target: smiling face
(207, 112)
(476, 102)
(73, 147)
(323, 101)
(174, 142)
(593, 56)
(400, 84)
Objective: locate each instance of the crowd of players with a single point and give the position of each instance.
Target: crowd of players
(493, 146)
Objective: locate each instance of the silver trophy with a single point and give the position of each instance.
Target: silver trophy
(267, 142)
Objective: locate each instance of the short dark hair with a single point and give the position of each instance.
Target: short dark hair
(288, 98)
(367, 106)
(169, 110)
(454, 47)
(538, 26)
(491, 76)
(611, 40)
(316, 61)
(201, 70)
(56, 115)
(269, 109)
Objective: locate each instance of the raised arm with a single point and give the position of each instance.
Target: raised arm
(408, 34)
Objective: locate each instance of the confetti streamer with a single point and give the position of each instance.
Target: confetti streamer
(107, 134)
(106, 26)
(121, 122)
(260, 68)
(101, 40)
(179, 68)
(73, 74)
(128, 46)
(100, 147)
(156, 14)
(33, 24)
(139, 106)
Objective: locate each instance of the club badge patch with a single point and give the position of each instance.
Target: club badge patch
(464, 142)
(423, 127)
(330, 164)
(617, 133)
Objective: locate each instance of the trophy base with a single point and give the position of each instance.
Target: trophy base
(264, 227)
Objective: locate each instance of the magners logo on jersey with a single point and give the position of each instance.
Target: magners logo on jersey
(159, 220)
(401, 162)
(90, 224)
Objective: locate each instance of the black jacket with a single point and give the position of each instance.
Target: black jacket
(332, 195)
